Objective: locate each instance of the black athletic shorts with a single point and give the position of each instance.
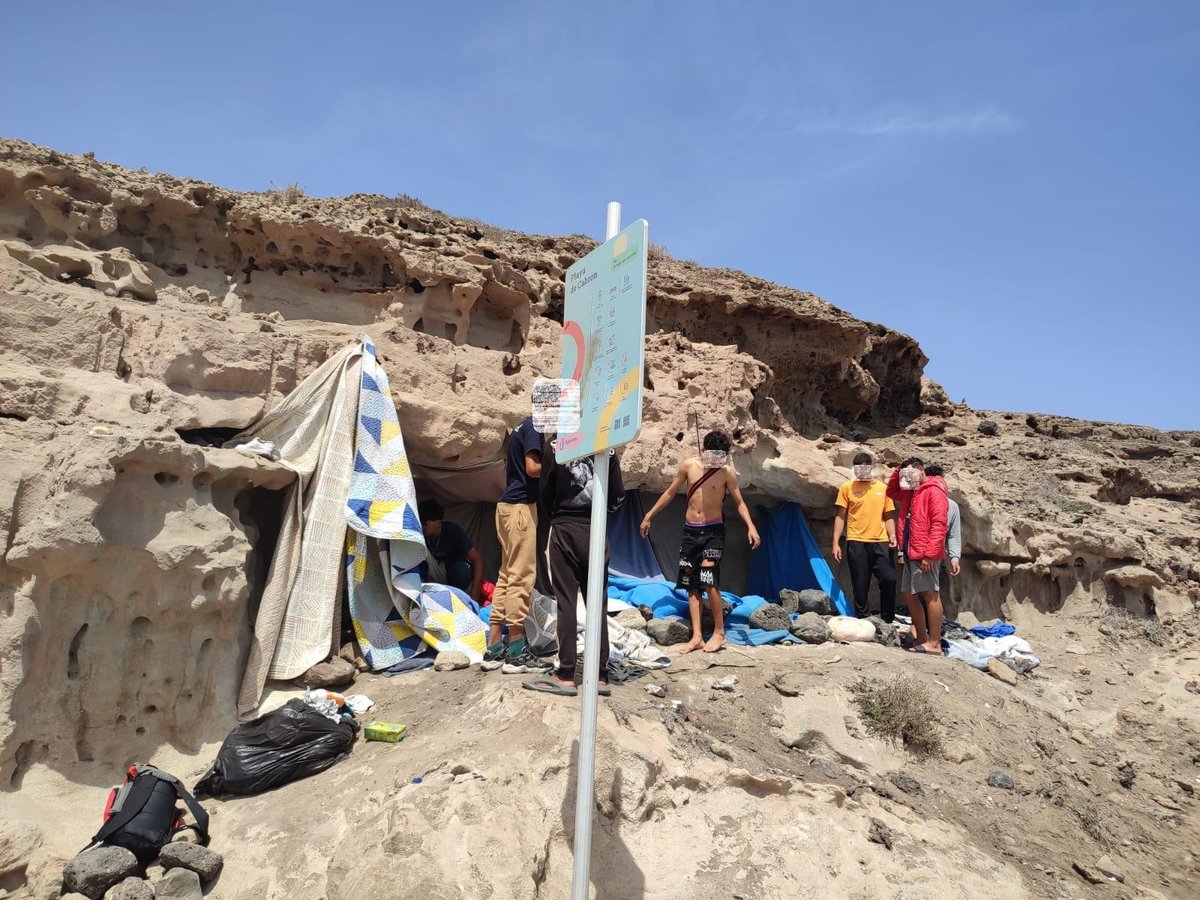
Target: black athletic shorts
(700, 543)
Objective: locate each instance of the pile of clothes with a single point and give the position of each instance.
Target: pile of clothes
(998, 639)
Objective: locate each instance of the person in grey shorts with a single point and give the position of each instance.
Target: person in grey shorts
(923, 543)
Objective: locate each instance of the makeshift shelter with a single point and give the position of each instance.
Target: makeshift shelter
(789, 556)
(338, 431)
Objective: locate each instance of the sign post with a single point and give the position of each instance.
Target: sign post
(604, 339)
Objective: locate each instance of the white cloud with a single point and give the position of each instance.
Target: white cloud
(892, 124)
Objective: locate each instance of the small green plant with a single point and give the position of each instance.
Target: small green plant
(901, 711)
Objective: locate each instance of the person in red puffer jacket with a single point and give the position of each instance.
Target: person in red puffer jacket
(924, 547)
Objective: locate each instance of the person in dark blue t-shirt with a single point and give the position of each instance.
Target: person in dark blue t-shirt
(516, 527)
(450, 545)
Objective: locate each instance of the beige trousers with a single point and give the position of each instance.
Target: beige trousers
(516, 526)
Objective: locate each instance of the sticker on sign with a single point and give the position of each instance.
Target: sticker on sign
(556, 405)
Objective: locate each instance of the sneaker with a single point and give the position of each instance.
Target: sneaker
(523, 661)
(494, 657)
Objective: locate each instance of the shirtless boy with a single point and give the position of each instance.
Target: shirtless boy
(704, 532)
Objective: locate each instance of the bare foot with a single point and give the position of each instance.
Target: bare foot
(694, 644)
(932, 648)
(715, 643)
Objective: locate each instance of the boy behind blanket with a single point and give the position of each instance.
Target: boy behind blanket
(709, 478)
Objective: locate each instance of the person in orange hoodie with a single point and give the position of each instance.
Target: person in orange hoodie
(923, 543)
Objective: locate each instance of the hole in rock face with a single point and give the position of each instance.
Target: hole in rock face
(166, 478)
(261, 513)
(23, 759)
(207, 437)
(202, 481)
(139, 731)
(151, 709)
(73, 653)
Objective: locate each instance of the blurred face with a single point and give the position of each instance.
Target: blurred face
(911, 476)
(714, 459)
(863, 471)
(432, 528)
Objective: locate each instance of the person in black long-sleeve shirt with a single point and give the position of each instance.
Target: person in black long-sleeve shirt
(565, 499)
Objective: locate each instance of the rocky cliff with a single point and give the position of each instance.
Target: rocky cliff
(144, 317)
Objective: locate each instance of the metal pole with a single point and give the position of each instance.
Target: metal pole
(585, 787)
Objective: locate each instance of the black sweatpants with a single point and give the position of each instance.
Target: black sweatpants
(568, 575)
(868, 559)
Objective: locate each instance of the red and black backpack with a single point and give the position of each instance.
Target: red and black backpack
(141, 814)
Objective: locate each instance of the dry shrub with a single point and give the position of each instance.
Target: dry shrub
(902, 711)
(409, 201)
(484, 229)
(1118, 623)
(659, 251)
(290, 195)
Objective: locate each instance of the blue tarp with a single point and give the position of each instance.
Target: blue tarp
(668, 603)
(790, 558)
(630, 553)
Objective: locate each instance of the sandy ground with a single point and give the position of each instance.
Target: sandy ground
(711, 802)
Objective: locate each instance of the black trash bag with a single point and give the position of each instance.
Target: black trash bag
(290, 743)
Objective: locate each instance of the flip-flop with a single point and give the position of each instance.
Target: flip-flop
(921, 649)
(604, 690)
(547, 685)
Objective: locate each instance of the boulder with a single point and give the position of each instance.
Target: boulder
(131, 889)
(18, 839)
(333, 673)
(790, 601)
(706, 619)
(808, 600)
(770, 617)
(886, 633)
(631, 619)
(880, 834)
(179, 884)
(846, 628)
(988, 427)
(906, 783)
(669, 631)
(449, 660)
(810, 628)
(1001, 780)
(94, 871)
(1000, 671)
(204, 862)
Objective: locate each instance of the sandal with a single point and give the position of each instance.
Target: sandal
(547, 685)
(605, 689)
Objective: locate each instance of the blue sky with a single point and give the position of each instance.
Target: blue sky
(1014, 184)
